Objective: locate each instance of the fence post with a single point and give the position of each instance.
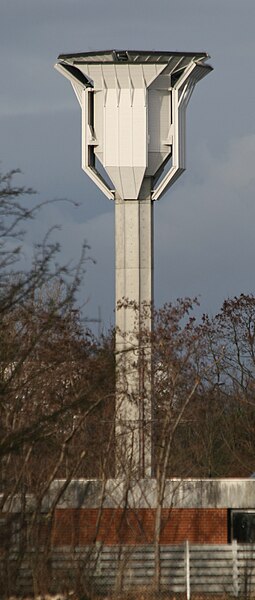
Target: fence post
(235, 568)
(187, 569)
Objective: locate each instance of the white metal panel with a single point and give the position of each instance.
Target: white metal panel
(124, 115)
(125, 140)
(159, 121)
(165, 115)
(127, 180)
(122, 74)
(151, 72)
(159, 118)
(162, 82)
(111, 131)
(173, 64)
(110, 76)
(94, 72)
(143, 75)
(139, 173)
(77, 88)
(137, 76)
(178, 150)
(139, 129)
(104, 75)
(154, 97)
(155, 160)
(98, 120)
(115, 176)
(85, 149)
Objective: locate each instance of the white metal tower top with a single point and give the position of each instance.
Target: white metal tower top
(133, 110)
(133, 147)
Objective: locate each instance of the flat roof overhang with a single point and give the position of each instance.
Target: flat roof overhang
(134, 56)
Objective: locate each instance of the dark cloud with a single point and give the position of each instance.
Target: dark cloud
(204, 225)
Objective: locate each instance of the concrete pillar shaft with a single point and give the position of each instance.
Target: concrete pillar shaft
(134, 284)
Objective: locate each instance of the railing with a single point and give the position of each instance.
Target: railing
(187, 569)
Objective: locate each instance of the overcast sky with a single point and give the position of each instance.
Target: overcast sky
(204, 225)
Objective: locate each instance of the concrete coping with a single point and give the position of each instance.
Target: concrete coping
(117, 493)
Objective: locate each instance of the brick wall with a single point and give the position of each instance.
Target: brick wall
(77, 527)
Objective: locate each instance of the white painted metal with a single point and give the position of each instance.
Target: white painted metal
(235, 569)
(138, 110)
(187, 569)
(89, 140)
(133, 125)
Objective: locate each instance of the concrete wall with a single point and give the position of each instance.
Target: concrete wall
(187, 493)
(116, 493)
(91, 511)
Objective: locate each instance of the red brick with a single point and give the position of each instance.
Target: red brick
(113, 526)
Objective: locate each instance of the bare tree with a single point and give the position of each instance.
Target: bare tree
(56, 384)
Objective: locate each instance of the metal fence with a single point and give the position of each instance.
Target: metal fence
(186, 569)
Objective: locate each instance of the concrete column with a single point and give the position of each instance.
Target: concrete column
(134, 283)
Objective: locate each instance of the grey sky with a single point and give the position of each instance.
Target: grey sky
(204, 226)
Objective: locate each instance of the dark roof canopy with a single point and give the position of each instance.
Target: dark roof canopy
(131, 56)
